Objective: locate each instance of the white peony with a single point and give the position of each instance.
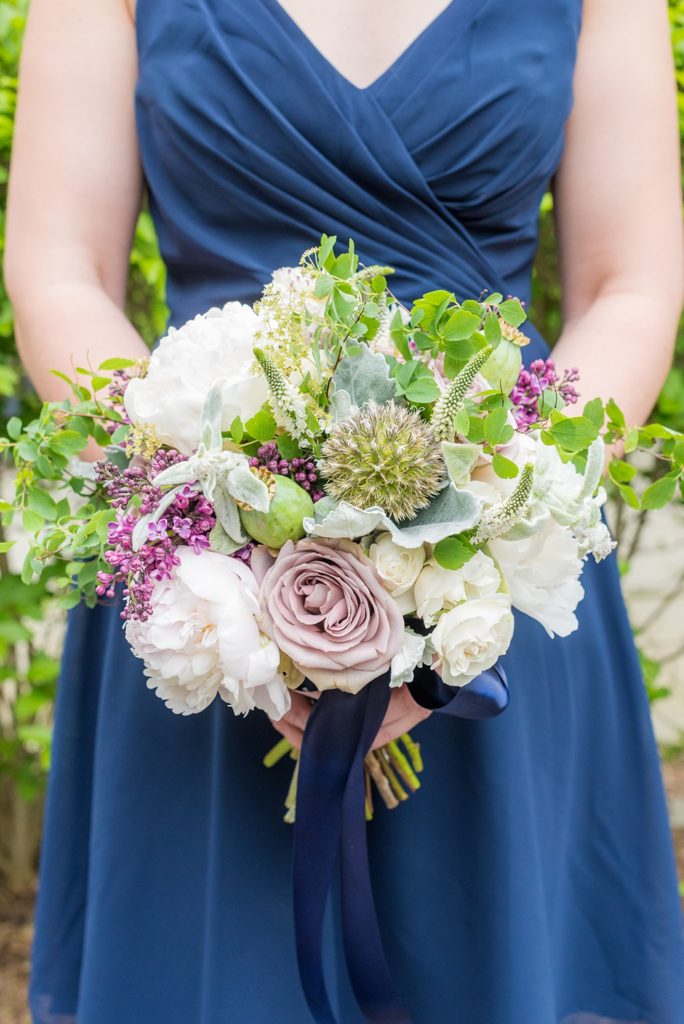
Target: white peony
(437, 588)
(573, 499)
(213, 349)
(542, 573)
(203, 639)
(398, 568)
(471, 637)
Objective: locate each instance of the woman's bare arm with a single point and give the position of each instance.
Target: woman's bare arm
(617, 198)
(75, 189)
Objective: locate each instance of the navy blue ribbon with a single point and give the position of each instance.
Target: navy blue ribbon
(331, 816)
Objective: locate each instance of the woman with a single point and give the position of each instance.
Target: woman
(531, 881)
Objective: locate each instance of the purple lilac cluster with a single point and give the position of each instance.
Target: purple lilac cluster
(301, 470)
(188, 521)
(532, 382)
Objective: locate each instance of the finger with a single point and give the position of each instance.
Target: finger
(291, 733)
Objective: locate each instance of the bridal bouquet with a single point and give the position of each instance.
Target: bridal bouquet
(325, 487)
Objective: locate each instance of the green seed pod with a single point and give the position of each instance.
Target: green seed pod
(289, 506)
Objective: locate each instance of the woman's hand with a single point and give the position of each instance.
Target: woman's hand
(402, 715)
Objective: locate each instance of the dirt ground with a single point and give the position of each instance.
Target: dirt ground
(15, 938)
(16, 911)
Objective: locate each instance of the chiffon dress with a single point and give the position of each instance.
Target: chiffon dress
(532, 879)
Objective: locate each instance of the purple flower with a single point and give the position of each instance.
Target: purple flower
(189, 521)
(300, 469)
(532, 383)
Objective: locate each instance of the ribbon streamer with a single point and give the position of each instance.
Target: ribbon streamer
(331, 817)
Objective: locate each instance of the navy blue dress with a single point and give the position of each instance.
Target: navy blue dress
(531, 881)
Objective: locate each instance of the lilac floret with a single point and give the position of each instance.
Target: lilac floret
(188, 521)
(541, 376)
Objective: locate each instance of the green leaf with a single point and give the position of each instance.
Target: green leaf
(343, 303)
(615, 413)
(288, 447)
(549, 401)
(423, 391)
(116, 364)
(14, 427)
(40, 502)
(27, 450)
(473, 306)
(68, 442)
(262, 426)
(324, 286)
(120, 434)
(326, 250)
(512, 312)
(237, 430)
(70, 599)
(629, 496)
(595, 412)
(660, 493)
(460, 325)
(492, 329)
(574, 434)
(5, 546)
(504, 467)
(462, 423)
(379, 283)
(453, 552)
(621, 472)
(631, 440)
(497, 429)
(475, 431)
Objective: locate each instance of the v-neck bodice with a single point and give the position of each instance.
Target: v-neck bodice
(253, 144)
(421, 38)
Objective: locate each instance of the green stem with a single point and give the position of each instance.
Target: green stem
(277, 753)
(413, 751)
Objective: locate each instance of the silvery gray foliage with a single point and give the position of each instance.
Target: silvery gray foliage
(449, 513)
(365, 377)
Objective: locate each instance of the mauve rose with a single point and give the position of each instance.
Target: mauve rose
(325, 606)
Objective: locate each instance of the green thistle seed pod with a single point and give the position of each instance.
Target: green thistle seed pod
(383, 455)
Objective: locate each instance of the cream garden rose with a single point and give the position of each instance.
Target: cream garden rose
(398, 568)
(437, 588)
(213, 349)
(471, 637)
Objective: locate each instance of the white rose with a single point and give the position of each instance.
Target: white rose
(471, 637)
(412, 654)
(437, 588)
(203, 639)
(398, 568)
(542, 573)
(214, 348)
